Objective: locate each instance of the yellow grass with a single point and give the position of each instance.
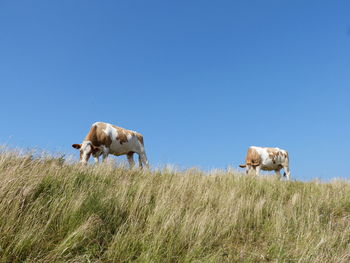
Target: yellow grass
(51, 211)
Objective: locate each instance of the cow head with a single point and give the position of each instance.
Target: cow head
(86, 149)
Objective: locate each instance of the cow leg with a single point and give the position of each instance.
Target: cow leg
(250, 169)
(140, 162)
(287, 172)
(143, 160)
(130, 157)
(105, 152)
(104, 156)
(97, 156)
(278, 173)
(257, 170)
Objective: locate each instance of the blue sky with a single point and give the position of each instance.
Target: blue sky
(201, 80)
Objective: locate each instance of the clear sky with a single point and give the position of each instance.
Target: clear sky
(201, 80)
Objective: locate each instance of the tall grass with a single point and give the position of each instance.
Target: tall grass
(51, 211)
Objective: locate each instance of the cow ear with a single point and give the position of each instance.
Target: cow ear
(76, 146)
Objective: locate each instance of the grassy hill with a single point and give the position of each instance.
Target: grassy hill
(55, 212)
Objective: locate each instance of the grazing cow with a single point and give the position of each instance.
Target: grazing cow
(104, 138)
(267, 159)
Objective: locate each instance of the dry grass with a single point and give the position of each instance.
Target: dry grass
(55, 212)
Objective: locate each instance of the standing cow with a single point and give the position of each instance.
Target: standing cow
(104, 138)
(267, 159)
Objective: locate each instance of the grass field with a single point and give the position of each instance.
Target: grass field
(51, 211)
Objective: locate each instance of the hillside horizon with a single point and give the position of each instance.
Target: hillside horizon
(72, 159)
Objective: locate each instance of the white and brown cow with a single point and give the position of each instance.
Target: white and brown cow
(267, 159)
(104, 138)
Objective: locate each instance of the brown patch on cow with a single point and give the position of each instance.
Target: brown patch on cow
(253, 157)
(97, 136)
(273, 154)
(122, 134)
(139, 137)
